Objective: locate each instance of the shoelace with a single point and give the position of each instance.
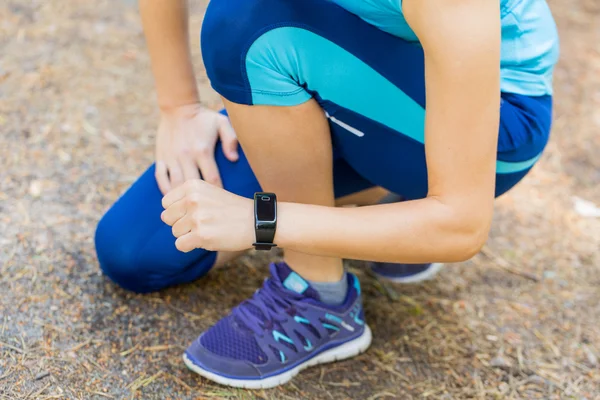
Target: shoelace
(268, 300)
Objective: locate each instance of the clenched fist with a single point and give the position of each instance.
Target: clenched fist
(205, 216)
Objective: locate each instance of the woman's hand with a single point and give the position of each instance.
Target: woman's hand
(185, 145)
(208, 217)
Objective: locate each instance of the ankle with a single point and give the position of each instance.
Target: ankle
(316, 269)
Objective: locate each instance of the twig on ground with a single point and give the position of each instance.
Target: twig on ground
(94, 363)
(36, 394)
(179, 381)
(131, 350)
(161, 347)
(188, 314)
(108, 396)
(390, 370)
(433, 391)
(385, 289)
(346, 383)
(382, 395)
(547, 342)
(8, 346)
(146, 382)
(507, 266)
(80, 345)
(6, 374)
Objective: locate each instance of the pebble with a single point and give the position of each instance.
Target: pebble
(549, 274)
(537, 380)
(500, 362)
(42, 375)
(592, 359)
(35, 188)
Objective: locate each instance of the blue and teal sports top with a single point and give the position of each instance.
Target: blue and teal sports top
(529, 39)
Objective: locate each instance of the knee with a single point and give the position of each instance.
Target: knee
(118, 257)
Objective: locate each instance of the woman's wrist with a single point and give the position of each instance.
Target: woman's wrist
(183, 109)
(284, 222)
(176, 104)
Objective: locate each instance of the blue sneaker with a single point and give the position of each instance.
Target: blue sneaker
(405, 273)
(282, 329)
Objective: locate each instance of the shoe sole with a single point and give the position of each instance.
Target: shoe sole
(347, 350)
(426, 275)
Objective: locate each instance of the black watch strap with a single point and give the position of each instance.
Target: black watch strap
(265, 220)
(264, 239)
(263, 246)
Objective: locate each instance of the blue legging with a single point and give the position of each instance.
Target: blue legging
(369, 83)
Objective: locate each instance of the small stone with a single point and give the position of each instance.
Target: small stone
(492, 338)
(500, 362)
(35, 188)
(592, 359)
(42, 375)
(549, 274)
(537, 380)
(63, 156)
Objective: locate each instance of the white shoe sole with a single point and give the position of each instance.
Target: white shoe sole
(426, 275)
(342, 352)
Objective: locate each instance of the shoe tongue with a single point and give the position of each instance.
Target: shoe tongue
(292, 281)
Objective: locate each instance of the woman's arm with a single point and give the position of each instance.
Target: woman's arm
(461, 40)
(166, 30)
(187, 132)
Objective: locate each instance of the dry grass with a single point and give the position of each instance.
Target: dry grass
(77, 118)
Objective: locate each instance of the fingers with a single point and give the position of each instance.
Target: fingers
(189, 169)
(180, 192)
(208, 168)
(186, 243)
(162, 177)
(183, 226)
(175, 174)
(229, 140)
(175, 212)
(188, 189)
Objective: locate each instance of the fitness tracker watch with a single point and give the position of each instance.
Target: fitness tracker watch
(265, 220)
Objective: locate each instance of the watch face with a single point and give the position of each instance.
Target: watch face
(265, 208)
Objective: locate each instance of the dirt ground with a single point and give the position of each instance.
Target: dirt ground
(77, 119)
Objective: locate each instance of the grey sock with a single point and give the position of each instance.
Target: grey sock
(332, 293)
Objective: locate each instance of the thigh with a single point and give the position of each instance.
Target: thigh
(370, 84)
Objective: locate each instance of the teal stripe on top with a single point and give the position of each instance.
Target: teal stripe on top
(275, 69)
(530, 45)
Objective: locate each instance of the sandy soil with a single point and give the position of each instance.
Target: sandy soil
(77, 119)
